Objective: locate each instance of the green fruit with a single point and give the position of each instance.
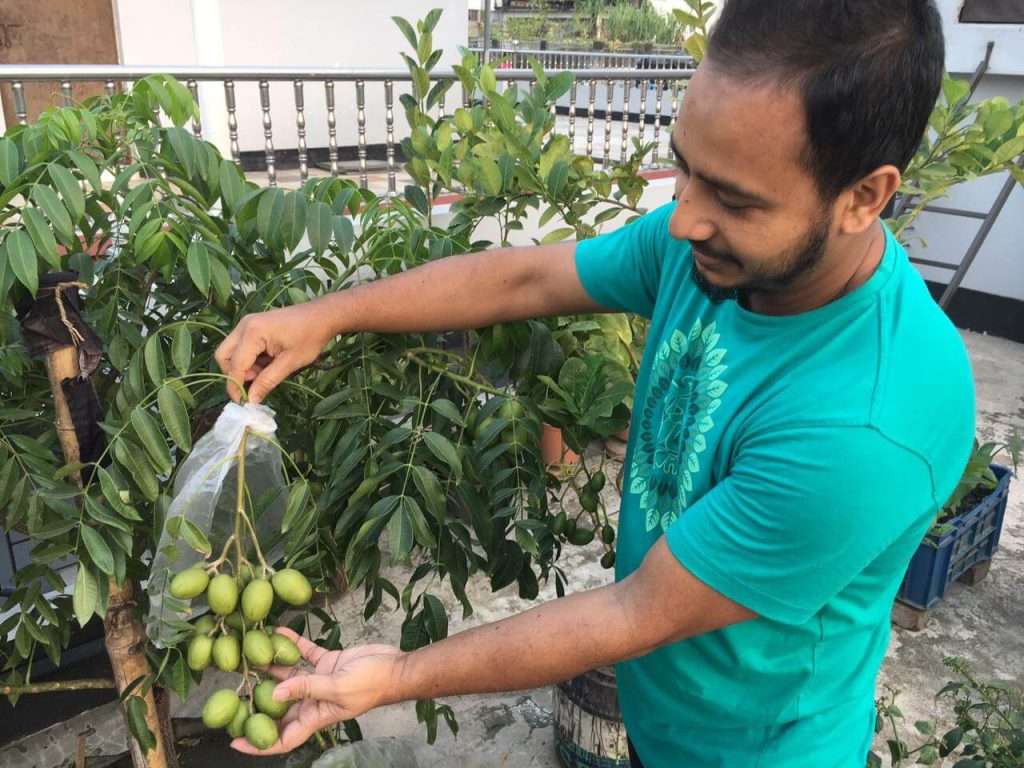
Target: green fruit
(286, 652)
(558, 527)
(597, 481)
(511, 410)
(292, 587)
(190, 583)
(258, 649)
(235, 621)
(588, 499)
(245, 574)
(222, 594)
(200, 649)
(220, 708)
(257, 600)
(237, 725)
(608, 560)
(226, 653)
(261, 731)
(607, 534)
(263, 698)
(581, 536)
(482, 427)
(204, 625)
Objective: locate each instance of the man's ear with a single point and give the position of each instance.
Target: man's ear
(861, 204)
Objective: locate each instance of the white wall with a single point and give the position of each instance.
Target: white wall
(965, 43)
(270, 33)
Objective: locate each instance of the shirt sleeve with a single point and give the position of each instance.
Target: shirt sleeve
(622, 269)
(801, 514)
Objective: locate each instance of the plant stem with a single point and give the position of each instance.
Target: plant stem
(455, 376)
(240, 500)
(85, 684)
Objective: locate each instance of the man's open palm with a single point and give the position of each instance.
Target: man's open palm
(342, 685)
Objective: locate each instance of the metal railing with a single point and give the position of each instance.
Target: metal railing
(619, 96)
(518, 58)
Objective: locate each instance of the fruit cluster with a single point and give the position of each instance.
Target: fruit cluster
(236, 637)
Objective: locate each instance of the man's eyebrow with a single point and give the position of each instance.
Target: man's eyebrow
(723, 185)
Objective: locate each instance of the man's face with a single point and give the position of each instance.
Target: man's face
(745, 201)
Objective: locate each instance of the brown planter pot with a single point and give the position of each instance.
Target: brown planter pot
(553, 448)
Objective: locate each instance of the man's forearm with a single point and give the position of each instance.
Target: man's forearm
(553, 642)
(462, 292)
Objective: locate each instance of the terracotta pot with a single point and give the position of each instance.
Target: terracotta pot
(554, 449)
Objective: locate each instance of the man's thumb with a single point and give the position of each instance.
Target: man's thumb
(270, 377)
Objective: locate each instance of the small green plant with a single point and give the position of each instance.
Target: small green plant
(694, 24)
(988, 730)
(627, 23)
(965, 141)
(978, 477)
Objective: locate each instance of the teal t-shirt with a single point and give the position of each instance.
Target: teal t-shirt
(794, 464)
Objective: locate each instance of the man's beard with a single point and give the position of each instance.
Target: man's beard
(800, 260)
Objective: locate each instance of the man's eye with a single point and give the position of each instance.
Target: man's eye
(731, 206)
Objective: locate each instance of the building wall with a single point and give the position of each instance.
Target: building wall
(266, 33)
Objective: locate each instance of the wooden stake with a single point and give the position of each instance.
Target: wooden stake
(125, 637)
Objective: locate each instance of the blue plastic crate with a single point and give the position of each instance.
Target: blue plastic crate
(974, 538)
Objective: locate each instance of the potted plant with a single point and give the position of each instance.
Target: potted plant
(964, 538)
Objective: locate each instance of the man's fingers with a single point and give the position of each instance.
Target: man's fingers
(309, 650)
(270, 377)
(311, 686)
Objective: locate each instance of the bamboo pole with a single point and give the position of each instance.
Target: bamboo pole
(124, 635)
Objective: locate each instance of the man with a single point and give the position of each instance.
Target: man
(802, 412)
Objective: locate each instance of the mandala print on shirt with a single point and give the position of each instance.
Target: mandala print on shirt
(686, 388)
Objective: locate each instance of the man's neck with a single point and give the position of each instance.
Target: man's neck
(837, 275)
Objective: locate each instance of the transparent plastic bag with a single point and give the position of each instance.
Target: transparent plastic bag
(203, 511)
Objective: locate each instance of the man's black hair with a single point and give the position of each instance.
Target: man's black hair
(868, 71)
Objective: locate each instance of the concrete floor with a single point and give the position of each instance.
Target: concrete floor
(982, 623)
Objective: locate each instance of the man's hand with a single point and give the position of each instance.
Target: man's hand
(343, 685)
(266, 348)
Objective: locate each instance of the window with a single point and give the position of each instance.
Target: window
(992, 12)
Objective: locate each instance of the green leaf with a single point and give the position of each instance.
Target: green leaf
(430, 488)
(55, 211)
(559, 85)
(220, 279)
(98, 549)
(487, 79)
(69, 189)
(319, 225)
(22, 258)
(232, 185)
(1009, 151)
(195, 537)
(418, 199)
(557, 178)
(447, 409)
(113, 496)
(184, 148)
(181, 349)
(85, 596)
(153, 355)
(10, 161)
(175, 417)
(442, 448)
(293, 219)
(489, 176)
(400, 536)
(406, 29)
(152, 440)
(344, 233)
(198, 263)
(437, 617)
(268, 215)
(297, 499)
(420, 528)
(88, 169)
(43, 239)
(136, 707)
(558, 235)
(431, 19)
